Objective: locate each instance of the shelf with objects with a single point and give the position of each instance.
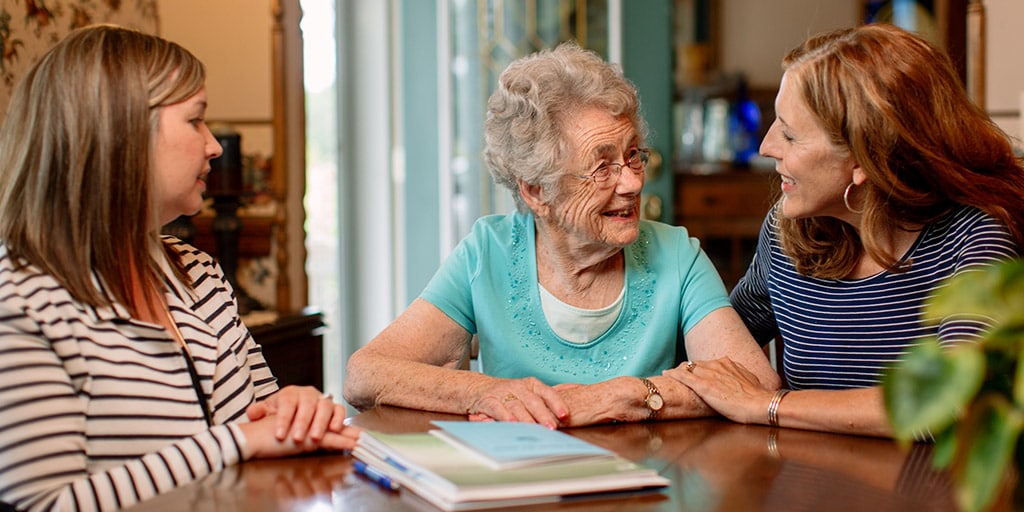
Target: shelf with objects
(723, 188)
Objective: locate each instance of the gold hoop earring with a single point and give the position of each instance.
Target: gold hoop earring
(846, 198)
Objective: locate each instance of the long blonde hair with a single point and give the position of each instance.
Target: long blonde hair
(894, 102)
(75, 172)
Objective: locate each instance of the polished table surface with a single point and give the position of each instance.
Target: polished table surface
(714, 465)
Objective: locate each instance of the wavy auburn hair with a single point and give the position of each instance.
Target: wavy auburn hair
(76, 196)
(894, 102)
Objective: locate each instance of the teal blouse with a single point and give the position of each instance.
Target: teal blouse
(488, 285)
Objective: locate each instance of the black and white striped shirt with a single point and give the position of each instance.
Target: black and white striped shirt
(842, 333)
(98, 410)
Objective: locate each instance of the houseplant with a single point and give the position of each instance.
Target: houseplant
(971, 396)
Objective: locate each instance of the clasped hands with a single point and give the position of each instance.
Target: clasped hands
(726, 386)
(297, 419)
(723, 384)
(563, 405)
(527, 400)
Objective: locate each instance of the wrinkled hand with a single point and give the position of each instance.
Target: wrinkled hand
(727, 387)
(591, 404)
(527, 400)
(300, 412)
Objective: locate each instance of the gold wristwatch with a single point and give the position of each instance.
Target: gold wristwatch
(653, 400)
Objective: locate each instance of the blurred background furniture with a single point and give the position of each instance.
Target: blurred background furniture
(293, 346)
(725, 211)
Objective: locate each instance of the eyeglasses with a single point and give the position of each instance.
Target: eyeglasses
(636, 159)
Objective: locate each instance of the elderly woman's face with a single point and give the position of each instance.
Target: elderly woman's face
(606, 212)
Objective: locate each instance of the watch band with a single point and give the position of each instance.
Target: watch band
(653, 400)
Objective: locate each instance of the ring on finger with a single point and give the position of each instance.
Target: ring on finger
(510, 397)
(329, 397)
(690, 365)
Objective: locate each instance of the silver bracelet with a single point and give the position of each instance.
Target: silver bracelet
(773, 407)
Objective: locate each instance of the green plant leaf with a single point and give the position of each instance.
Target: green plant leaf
(1006, 338)
(931, 386)
(1018, 380)
(996, 291)
(987, 444)
(983, 382)
(944, 449)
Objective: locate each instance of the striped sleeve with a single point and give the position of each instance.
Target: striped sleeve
(43, 438)
(750, 296)
(980, 242)
(98, 410)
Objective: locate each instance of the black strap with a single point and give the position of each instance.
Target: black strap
(197, 387)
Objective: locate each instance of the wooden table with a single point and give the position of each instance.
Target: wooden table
(714, 465)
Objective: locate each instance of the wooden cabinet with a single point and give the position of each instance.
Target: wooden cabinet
(254, 237)
(725, 211)
(293, 346)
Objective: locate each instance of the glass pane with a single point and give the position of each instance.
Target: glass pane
(322, 234)
(486, 36)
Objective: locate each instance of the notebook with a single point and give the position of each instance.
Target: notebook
(451, 476)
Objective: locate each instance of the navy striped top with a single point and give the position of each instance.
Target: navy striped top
(98, 410)
(842, 333)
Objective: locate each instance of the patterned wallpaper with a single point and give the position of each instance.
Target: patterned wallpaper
(30, 27)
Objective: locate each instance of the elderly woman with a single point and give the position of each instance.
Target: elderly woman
(578, 305)
(893, 181)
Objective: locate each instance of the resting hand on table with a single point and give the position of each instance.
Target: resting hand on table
(527, 400)
(298, 419)
(260, 441)
(727, 387)
(602, 402)
(590, 404)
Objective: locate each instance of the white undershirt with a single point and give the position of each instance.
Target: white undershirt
(578, 325)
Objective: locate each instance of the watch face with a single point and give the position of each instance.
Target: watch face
(655, 402)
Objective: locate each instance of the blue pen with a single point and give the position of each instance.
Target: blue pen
(376, 476)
